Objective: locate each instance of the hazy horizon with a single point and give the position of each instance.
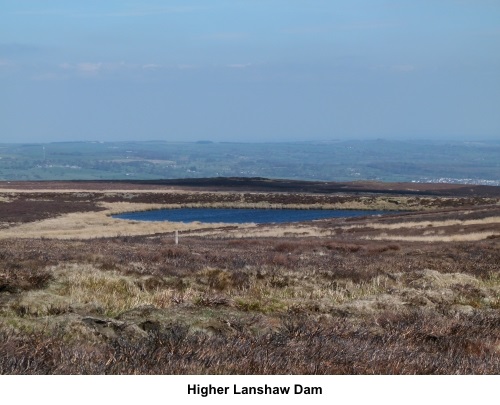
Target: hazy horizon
(258, 141)
(249, 71)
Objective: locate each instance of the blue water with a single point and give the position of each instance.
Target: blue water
(239, 216)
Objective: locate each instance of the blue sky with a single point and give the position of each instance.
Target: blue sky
(256, 70)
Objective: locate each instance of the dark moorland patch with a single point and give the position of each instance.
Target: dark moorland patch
(258, 184)
(28, 208)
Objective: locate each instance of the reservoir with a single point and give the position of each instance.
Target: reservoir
(239, 216)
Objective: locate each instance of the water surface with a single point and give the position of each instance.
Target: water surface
(239, 216)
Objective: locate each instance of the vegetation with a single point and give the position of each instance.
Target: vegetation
(353, 297)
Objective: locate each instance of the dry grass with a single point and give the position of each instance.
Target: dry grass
(263, 231)
(465, 237)
(88, 225)
(426, 224)
(110, 292)
(412, 343)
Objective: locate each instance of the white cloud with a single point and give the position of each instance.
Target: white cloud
(89, 68)
(94, 68)
(151, 66)
(83, 67)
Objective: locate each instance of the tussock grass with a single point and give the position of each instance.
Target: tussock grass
(109, 290)
(40, 304)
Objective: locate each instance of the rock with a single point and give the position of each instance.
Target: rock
(112, 329)
(462, 309)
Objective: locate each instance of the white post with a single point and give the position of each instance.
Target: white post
(176, 237)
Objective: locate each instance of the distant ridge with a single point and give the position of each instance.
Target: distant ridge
(260, 184)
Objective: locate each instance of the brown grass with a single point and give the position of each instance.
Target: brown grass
(403, 344)
(316, 298)
(465, 237)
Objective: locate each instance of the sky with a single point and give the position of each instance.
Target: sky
(249, 71)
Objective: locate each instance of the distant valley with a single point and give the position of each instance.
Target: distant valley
(376, 160)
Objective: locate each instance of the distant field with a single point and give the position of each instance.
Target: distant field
(379, 160)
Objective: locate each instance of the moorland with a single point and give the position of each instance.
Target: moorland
(413, 291)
